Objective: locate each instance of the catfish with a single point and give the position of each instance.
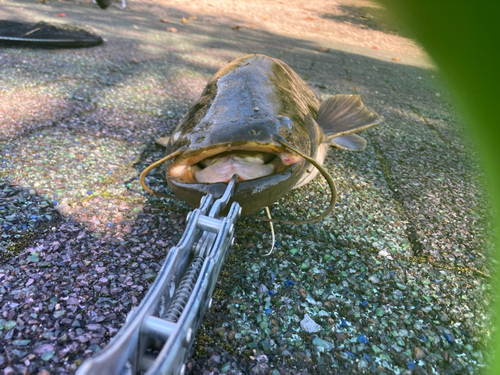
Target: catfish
(258, 119)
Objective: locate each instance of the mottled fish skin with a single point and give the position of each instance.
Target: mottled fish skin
(253, 102)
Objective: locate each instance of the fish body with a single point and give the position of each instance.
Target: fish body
(247, 114)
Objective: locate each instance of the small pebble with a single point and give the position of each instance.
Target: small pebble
(309, 325)
(418, 353)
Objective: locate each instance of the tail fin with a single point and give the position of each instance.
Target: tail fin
(342, 115)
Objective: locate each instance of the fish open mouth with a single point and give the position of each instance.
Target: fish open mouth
(220, 164)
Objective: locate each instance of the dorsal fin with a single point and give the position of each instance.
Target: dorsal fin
(341, 115)
(351, 142)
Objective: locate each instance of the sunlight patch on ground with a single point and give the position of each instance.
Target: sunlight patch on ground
(85, 177)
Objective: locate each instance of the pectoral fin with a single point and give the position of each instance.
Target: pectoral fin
(341, 115)
(351, 142)
(163, 141)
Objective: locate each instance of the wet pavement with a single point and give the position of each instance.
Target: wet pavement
(396, 279)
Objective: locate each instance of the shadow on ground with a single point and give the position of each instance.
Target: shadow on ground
(365, 17)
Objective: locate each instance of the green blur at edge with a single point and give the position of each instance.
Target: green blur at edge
(463, 38)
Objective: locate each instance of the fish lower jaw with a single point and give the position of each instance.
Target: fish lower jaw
(221, 167)
(223, 172)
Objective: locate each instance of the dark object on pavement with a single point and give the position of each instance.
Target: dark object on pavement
(43, 35)
(103, 4)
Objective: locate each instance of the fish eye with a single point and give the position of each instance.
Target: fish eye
(285, 121)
